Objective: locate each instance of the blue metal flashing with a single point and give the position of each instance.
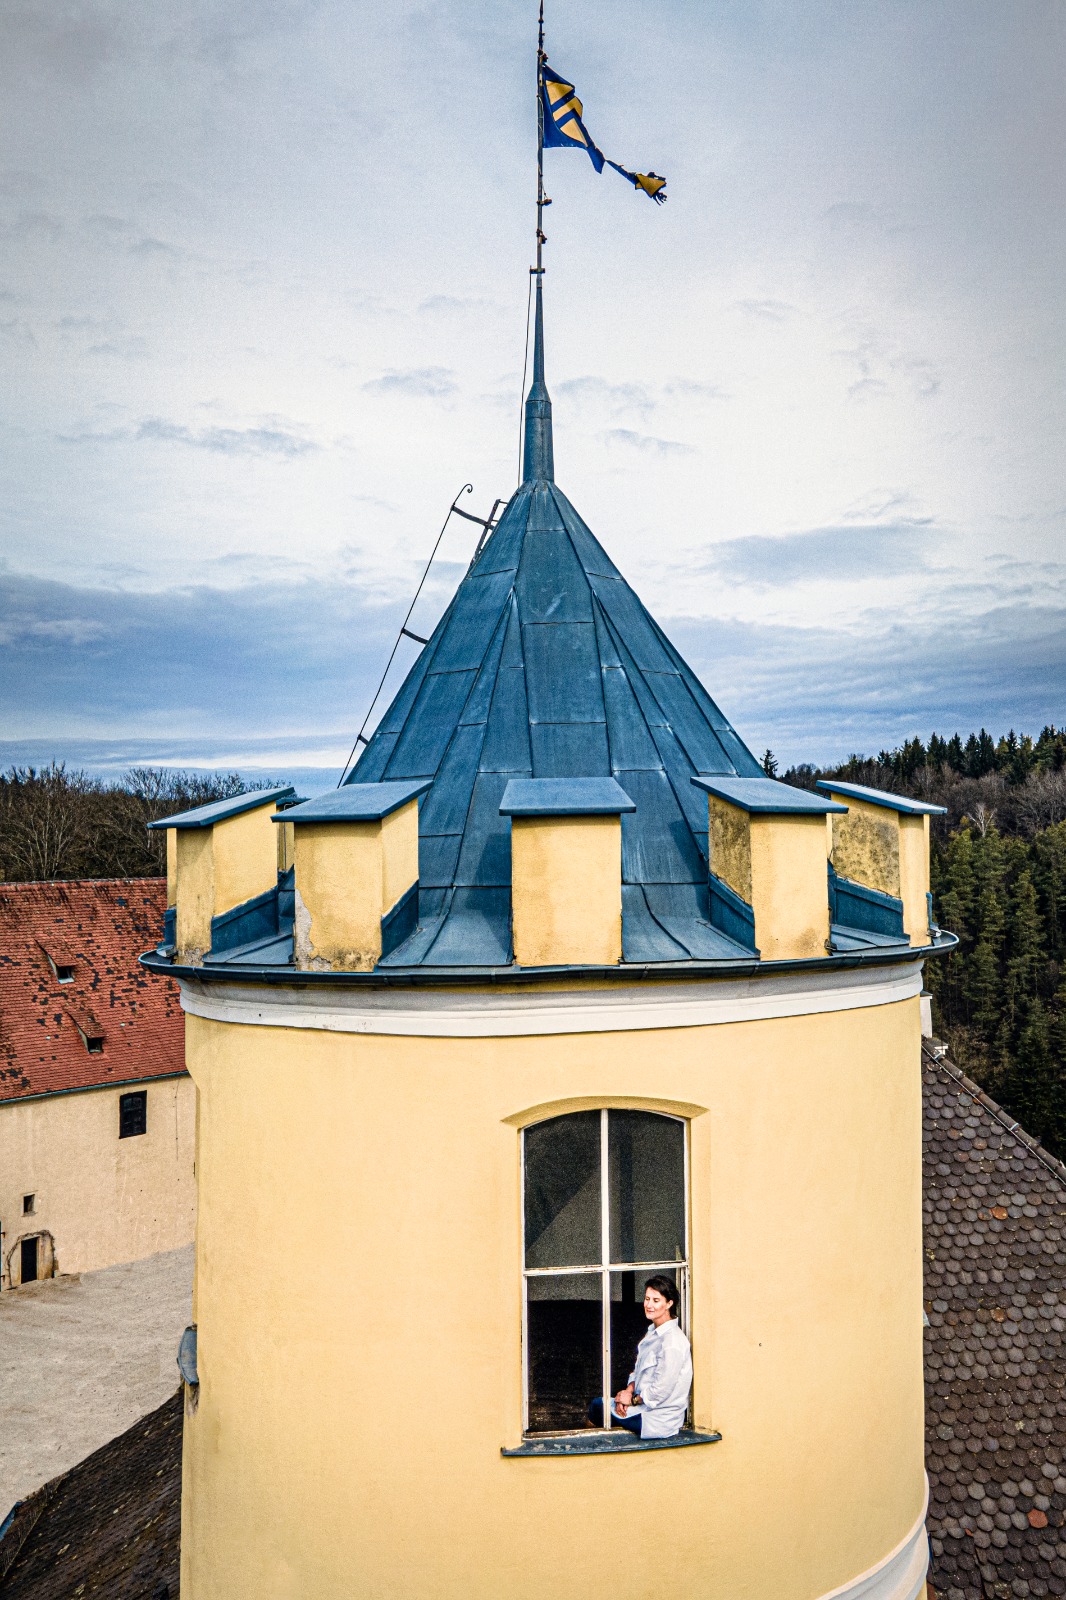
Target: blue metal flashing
(881, 797)
(221, 810)
(272, 952)
(765, 795)
(564, 797)
(855, 905)
(252, 920)
(845, 940)
(398, 924)
(364, 802)
(731, 914)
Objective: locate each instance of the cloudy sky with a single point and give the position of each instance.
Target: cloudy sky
(263, 277)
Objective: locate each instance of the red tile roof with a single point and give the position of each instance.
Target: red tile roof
(99, 927)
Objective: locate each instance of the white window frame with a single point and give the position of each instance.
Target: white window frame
(605, 1266)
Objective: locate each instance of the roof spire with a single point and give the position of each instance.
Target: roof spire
(539, 457)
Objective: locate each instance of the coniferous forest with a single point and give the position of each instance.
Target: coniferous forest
(999, 882)
(998, 873)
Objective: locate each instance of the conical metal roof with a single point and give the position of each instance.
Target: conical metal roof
(546, 664)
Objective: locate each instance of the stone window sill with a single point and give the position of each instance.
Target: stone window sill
(618, 1442)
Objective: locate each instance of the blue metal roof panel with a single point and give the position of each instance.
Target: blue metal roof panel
(764, 794)
(485, 856)
(644, 939)
(374, 759)
(633, 625)
(438, 855)
(587, 547)
(567, 749)
(476, 930)
(475, 613)
(275, 951)
(512, 657)
(683, 909)
(562, 672)
(445, 807)
(222, 810)
(428, 730)
(480, 698)
(503, 550)
(631, 745)
(355, 802)
(551, 586)
(880, 797)
(657, 843)
(688, 723)
(506, 747)
(843, 938)
(564, 797)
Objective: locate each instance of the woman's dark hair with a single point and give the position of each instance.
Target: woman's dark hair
(667, 1288)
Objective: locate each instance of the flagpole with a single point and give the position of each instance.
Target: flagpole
(539, 269)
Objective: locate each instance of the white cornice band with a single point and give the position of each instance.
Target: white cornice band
(468, 1014)
(900, 1575)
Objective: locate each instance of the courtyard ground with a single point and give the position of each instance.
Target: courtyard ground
(81, 1358)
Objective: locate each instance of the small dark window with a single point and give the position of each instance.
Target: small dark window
(29, 1202)
(65, 974)
(133, 1114)
(94, 1044)
(28, 1261)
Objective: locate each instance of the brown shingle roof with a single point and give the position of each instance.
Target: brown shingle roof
(99, 927)
(108, 1527)
(995, 1349)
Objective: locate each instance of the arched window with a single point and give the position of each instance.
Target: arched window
(605, 1205)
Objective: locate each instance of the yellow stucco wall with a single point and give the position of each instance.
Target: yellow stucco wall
(103, 1199)
(220, 867)
(886, 850)
(777, 863)
(566, 890)
(866, 845)
(789, 886)
(348, 875)
(914, 876)
(729, 831)
(359, 1308)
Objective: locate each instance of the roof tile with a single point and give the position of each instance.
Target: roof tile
(103, 925)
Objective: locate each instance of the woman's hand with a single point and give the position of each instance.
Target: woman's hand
(623, 1400)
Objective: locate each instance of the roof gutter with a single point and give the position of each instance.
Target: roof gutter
(626, 972)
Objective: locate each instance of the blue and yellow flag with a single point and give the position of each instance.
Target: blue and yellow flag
(564, 129)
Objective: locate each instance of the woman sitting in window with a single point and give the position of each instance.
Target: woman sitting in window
(654, 1402)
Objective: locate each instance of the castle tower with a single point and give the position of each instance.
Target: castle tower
(558, 991)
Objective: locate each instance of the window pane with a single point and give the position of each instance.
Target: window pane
(563, 1191)
(646, 1165)
(564, 1322)
(628, 1322)
(133, 1114)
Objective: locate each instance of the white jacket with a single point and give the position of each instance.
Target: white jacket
(662, 1377)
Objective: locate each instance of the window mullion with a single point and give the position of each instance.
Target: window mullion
(605, 1260)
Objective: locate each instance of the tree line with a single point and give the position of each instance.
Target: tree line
(998, 876)
(60, 824)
